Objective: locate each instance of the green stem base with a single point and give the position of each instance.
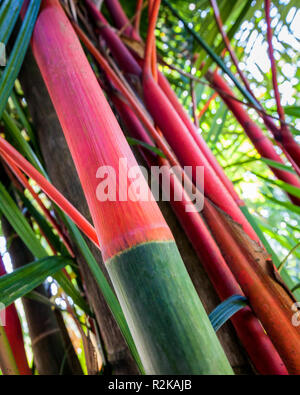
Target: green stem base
(169, 325)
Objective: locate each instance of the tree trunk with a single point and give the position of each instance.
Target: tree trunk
(52, 349)
(63, 174)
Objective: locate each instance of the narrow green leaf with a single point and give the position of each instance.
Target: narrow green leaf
(291, 189)
(276, 165)
(292, 250)
(293, 111)
(288, 205)
(24, 121)
(34, 295)
(44, 225)
(132, 141)
(215, 129)
(23, 280)
(21, 144)
(241, 163)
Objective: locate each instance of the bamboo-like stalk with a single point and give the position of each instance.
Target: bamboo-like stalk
(120, 18)
(210, 158)
(255, 134)
(138, 14)
(167, 320)
(11, 335)
(252, 335)
(119, 50)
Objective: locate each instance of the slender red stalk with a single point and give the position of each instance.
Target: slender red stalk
(150, 61)
(136, 106)
(185, 147)
(118, 49)
(120, 18)
(153, 14)
(286, 138)
(47, 213)
(14, 333)
(206, 105)
(280, 110)
(228, 45)
(210, 158)
(255, 134)
(138, 14)
(259, 347)
(7, 150)
(194, 104)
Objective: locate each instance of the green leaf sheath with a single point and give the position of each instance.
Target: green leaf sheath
(224, 311)
(172, 332)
